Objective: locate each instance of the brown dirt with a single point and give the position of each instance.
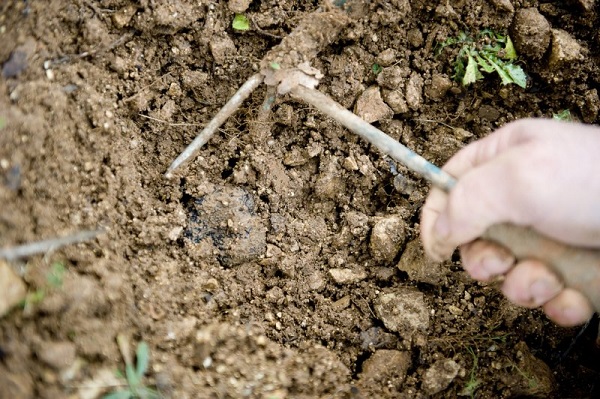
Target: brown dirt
(283, 267)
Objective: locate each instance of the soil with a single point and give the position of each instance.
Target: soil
(284, 260)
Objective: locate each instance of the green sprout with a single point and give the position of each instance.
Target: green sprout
(376, 69)
(488, 52)
(240, 22)
(275, 66)
(2, 122)
(134, 376)
(54, 280)
(564, 115)
(473, 383)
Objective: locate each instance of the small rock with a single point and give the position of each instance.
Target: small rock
(122, 17)
(347, 276)
(392, 78)
(419, 268)
(387, 237)
(439, 376)
(503, 5)
(387, 57)
(414, 91)
(590, 106)
(439, 86)
(370, 106)
(315, 281)
(403, 311)
(385, 366)
(18, 60)
(530, 33)
(415, 38)
(296, 157)
(395, 99)
(58, 355)
(565, 49)
(12, 288)
(239, 6)
(222, 47)
(489, 113)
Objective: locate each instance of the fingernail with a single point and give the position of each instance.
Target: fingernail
(542, 290)
(494, 265)
(442, 227)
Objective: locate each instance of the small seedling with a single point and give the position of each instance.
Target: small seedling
(240, 22)
(376, 69)
(487, 52)
(564, 115)
(2, 122)
(54, 280)
(473, 383)
(134, 375)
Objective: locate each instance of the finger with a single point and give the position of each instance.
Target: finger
(484, 260)
(495, 192)
(435, 203)
(531, 284)
(569, 308)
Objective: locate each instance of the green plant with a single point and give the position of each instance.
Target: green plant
(54, 280)
(564, 115)
(376, 69)
(240, 22)
(487, 52)
(473, 382)
(2, 122)
(134, 375)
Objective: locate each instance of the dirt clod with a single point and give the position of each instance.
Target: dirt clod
(403, 311)
(565, 49)
(530, 33)
(387, 236)
(419, 268)
(440, 375)
(370, 106)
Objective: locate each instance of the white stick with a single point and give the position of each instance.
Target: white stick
(228, 109)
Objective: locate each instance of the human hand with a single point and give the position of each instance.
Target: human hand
(533, 172)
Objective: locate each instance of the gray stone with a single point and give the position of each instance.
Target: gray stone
(565, 49)
(387, 237)
(370, 106)
(439, 376)
(403, 311)
(347, 276)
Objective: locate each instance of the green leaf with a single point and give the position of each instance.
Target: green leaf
(142, 359)
(148, 393)
(564, 115)
(472, 73)
(2, 122)
(240, 22)
(499, 67)
(132, 378)
(509, 49)
(376, 68)
(56, 275)
(484, 64)
(125, 394)
(275, 66)
(517, 74)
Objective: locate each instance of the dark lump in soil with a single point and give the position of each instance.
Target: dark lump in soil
(284, 261)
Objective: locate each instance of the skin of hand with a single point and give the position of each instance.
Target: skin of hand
(538, 173)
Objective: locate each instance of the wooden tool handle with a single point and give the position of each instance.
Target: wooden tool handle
(578, 267)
